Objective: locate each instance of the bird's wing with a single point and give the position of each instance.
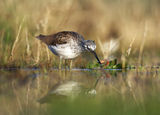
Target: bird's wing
(60, 38)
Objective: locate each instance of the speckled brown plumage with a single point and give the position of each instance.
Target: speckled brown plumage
(68, 44)
(60, 37)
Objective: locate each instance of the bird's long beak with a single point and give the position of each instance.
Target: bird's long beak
(96, 56)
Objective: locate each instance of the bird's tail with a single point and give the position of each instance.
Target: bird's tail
(40, 36)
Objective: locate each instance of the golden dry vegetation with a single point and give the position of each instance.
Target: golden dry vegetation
(135, 23)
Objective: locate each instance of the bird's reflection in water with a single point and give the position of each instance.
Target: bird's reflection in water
(61, 91)
(70, 88)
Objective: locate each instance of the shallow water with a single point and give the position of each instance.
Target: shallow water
(79, 91)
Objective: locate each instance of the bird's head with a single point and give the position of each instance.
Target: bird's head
(89, 45)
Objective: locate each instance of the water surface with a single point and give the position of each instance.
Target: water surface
(80, 91)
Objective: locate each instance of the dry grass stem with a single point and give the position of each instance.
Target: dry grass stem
(130, 45)
(16, 40)
(38, 52)
(27, 45)
(123, 58)
(45, 27)
(143, 43)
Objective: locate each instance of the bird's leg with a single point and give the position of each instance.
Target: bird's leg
(70, 65)
(60, 64)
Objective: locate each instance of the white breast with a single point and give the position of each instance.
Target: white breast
(66, 51)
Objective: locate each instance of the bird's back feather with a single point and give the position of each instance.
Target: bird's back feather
(60, 38)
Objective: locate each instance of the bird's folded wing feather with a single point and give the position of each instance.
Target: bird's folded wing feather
(60, 38)
(56, 39)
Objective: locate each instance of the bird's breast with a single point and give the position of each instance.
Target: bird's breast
(66, 51)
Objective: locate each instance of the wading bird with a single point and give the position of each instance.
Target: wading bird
(68, 45)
